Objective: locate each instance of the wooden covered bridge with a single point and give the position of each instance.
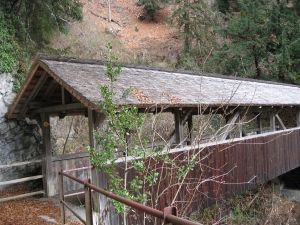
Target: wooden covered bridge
(258, 141)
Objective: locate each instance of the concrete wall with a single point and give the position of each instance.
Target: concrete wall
(19, 140)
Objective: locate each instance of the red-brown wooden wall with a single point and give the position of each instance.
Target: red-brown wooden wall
(258, 158)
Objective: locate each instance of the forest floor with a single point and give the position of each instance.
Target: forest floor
(135, 40)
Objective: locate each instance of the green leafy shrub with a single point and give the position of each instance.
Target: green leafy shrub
(8, 46)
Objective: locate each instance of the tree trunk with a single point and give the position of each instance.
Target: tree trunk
(186, 27)
(109, 11)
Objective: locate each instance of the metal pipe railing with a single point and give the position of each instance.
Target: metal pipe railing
(146, 209)
(76, 214)
(169, 215)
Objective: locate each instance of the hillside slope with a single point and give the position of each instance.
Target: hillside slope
(135, 41)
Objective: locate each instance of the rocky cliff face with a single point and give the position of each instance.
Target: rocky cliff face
(19, 140)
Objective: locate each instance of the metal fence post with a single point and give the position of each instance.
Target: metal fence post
(62, 197)
(171, 210)
(88, 203)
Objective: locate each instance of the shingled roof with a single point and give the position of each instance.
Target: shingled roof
(80, 80)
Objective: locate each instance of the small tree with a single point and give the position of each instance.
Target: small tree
(112, 138)
(154, 171)
(150, 6)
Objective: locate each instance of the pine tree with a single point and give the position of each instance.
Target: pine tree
(36, 21)
(194, 21)
(150, 6)
(260, 40)
(244, 47)
(284, 45)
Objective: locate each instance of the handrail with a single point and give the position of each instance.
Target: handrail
(78, 169)
(168, 215)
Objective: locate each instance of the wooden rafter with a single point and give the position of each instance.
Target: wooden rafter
(51, 88)
(57, 108)
(32, 95)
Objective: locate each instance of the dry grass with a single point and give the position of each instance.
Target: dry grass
(134, 41)
(263, 205)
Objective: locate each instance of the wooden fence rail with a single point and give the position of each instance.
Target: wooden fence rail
(20, 163)
(20, 180)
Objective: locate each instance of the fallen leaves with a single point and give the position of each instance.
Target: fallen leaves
(140, 96)
(27, 211)
(172, 99)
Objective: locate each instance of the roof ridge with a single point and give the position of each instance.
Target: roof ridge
(161, 69)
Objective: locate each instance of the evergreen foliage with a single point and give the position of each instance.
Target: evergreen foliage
(260, 40)
(32, 23)
(194, 21)
(8, 47)
(150, 6)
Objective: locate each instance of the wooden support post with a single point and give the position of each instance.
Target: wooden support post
(62, 198)
(272, 120)
(190, 127)
(240, 127)
(259, 124)
(178, 127)
(88, 204)
(182, 118)
(298, 116)
(91, 123)
(47, 156)
(99, 179)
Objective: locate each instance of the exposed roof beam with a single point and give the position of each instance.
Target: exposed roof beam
(32, 95)
(51, 88)
(35, 105)
(58, 108)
